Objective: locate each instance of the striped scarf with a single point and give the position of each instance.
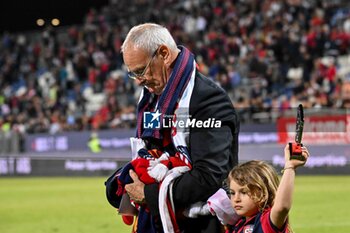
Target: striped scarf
(165, 104)
(167, 101)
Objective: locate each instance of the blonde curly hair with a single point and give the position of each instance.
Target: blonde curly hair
(261, 180)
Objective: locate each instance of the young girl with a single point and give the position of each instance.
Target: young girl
(259, 197)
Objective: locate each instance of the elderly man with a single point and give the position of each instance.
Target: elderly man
(191, 119)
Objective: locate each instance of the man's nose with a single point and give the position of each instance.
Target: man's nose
(140, 80)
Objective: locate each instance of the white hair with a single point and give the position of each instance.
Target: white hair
(149, 37)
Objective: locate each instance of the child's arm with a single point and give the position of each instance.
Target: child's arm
(283, 199)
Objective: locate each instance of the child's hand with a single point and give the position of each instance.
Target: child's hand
(294, 163)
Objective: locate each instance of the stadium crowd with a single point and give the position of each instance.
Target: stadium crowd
(268, 55)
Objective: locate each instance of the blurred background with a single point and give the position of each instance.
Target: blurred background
(67, 107)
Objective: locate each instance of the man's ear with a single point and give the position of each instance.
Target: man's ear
(164, 54)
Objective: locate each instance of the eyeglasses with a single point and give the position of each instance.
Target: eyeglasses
(136, 74)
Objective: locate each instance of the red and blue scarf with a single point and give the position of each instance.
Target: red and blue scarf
(168, 100)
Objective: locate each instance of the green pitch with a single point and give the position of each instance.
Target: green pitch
(74, 205)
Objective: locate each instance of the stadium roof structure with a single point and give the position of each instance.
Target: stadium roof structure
(21, 15)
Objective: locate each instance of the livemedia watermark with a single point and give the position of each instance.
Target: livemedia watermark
(153, 120)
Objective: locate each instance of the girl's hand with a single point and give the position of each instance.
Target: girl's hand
(294, 163)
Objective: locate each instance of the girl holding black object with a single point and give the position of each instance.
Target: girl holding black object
(260, 198)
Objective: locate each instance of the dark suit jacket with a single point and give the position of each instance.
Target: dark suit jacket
(213, 152)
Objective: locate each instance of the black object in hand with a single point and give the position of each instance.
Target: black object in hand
(295, 148)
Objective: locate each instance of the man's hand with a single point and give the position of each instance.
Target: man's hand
(135, 189)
